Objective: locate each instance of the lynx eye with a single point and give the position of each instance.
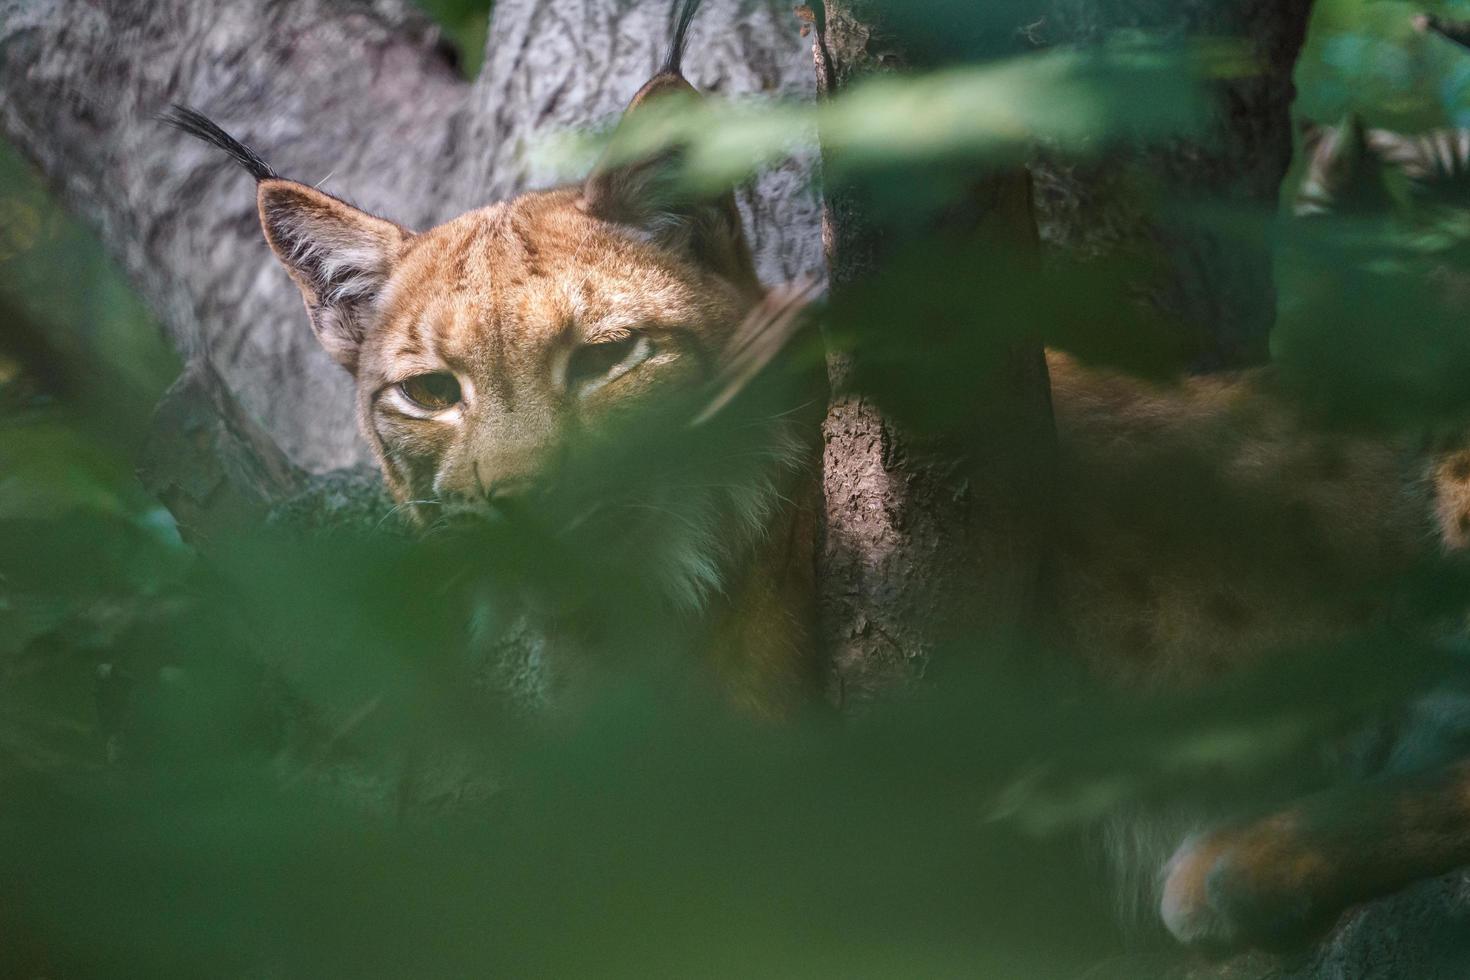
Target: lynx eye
(432, 392)
(595, 364)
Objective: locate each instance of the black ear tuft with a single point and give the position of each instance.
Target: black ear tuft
(645, 193)
(200, 126)
(673, 63)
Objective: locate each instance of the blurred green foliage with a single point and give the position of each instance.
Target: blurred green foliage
(1364, 56)
(1370, 330)
(466, 24)
(986, 114)
(96, 324)
(290, 756)
(81, 364)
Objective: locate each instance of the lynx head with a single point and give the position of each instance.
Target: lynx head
(481, 346)
(485, 347)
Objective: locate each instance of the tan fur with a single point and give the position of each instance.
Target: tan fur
(1207, 523)
(1271, 878)
(1204, 524)
(503, 296)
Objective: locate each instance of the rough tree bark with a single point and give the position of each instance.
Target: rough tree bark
(1211, 277)
(895, 507)
(361, 96)
(938, 534)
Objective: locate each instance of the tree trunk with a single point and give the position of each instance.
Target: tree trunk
(1212, 265)
(929, 536)
(362, 97)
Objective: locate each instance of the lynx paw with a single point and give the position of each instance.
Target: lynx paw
(1188, 906)
(1226, 891)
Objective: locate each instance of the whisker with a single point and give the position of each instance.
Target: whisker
(586, 515)
(781, 415)
(732, 488)
(397, 508)
(665, 512)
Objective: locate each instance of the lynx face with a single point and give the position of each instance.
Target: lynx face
(487, 349)
(492, 341)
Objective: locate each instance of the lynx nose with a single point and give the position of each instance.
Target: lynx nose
(490, 504)
(507, 494)
(486, 502)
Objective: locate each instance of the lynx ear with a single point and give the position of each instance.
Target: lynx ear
(340, 258)
(645, 194)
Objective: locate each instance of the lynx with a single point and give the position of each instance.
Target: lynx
(484, 348)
